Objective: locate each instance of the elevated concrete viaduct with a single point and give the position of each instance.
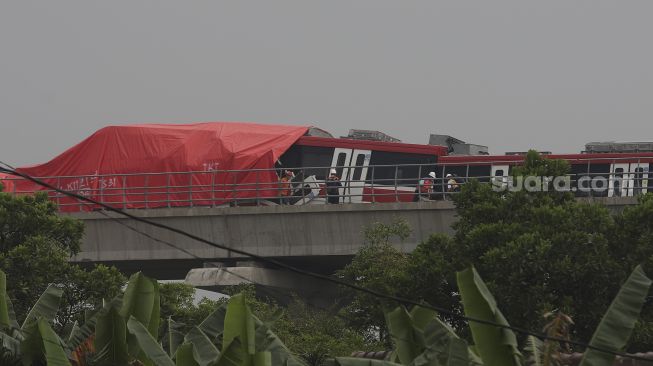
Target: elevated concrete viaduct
(319, 238)
(316, 237)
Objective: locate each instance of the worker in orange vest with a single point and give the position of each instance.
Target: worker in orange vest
(285, 184)
(425, 188)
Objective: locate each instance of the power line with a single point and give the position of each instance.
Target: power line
(288, 267)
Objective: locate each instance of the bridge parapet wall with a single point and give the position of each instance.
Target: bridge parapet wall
(271, 231)
(314, 235)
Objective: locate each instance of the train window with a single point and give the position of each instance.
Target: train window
(638, 179)
(480, 172)
(316, 159)
(292, 158)
(600, 172)
(340, 163)
(618, 176)
(387, 164)
(499, 173)
(358, 170)
(639, 175)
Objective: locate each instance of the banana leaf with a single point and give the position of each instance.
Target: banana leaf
(239, 322)
(173, 337)
(407, 344)
(45, 307)
(457, 354)
(148, 344)
(496, 346)
(534, 350)
(52, 344)
(233, 355)
(82, 333)
(618, 322)
(443, 347)
(353, 361)
(4, 307)
(262, 359)
(266, 340)
(42, 343)
(184, 355)
(141, 300)
(204, 351)
(213, 325)
(10, 344)
(13, 323)
(111, 338)
(422, 317)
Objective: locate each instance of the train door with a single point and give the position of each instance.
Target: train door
(341, 159)
(360, 160)
(639, 176)
(619, 181)
(499, 175)
(351, 166)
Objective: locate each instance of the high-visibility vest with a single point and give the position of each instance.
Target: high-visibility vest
(285, 186)
(426, 185)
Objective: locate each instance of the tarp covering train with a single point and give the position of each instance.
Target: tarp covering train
(100, 166)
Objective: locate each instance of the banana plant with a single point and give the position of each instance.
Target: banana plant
(245, 340)
(496, 346)
(34, 340)
(421, 339)
(107, 328)
(618, 322)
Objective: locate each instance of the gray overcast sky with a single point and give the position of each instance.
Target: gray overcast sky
(508, 74)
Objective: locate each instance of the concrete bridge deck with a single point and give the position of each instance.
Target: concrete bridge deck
(317, 237)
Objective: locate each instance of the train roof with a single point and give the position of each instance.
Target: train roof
(399, 147)
(578, 158)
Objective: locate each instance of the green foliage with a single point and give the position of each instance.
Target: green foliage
(380, 267)
(25, 217)
(316, 335)
(35, 246)
(111, 337)
(34, 342)
(535, 165)
(176, 298)
(543, 252)
(536, 251)
(432, 276)
(421, 339)
(148, 343)
(619, 321)
(380, 234)
(496, 346)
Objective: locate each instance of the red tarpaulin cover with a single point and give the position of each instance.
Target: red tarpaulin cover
(107, 164)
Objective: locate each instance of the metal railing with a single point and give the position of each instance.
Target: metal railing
(367, 183)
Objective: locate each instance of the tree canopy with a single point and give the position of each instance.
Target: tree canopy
(35, 247)
(537, 252)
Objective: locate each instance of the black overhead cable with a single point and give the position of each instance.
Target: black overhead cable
(277, 263)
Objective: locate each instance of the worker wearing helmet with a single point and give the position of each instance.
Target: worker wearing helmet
(333, 185)
(285, 187)
(425, 188)
(452, 184)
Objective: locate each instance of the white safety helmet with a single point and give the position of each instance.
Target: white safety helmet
(432, 174)
(448, 175)
(333, 171)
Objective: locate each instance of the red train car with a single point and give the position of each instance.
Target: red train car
(600, 175)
